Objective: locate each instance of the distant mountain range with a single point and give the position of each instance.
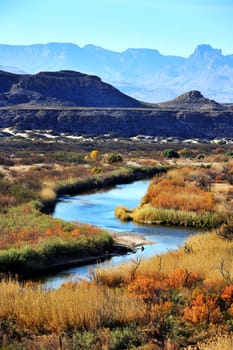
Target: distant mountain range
(144, 74)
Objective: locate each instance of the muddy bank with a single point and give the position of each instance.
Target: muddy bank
(123, 244)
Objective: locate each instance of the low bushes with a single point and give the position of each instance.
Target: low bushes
(123, 213)
(113, 158)
(80, 306)
(148, 214)
(180, 197)
(32, 242)
(167, 303)
(52, 254)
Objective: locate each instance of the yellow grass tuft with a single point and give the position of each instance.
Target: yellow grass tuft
(47, 194)
(220, 343)
(84, 305)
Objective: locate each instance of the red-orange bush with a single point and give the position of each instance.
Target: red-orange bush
(180, 190)
(203, 310)
(147, 288)
(182, 278)
(32, 236)
(227, 294)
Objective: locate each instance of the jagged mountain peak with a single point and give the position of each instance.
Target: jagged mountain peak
(205, 50)
(145, 74)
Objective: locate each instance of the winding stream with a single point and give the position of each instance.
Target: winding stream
(98, 209)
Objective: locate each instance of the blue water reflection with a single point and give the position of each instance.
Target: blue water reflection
(98, 209)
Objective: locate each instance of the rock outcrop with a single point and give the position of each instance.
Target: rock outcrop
(73, 102)
(66, 88)
(192, 100)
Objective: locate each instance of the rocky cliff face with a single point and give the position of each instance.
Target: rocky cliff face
(73, 102)
(122, 122)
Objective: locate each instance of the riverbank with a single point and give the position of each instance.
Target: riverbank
(122, 244)
(28, 262)
(34, 243)
(177, 298)
(123, 175)
(182, 197)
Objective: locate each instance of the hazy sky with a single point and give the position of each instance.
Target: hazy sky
(171, 26)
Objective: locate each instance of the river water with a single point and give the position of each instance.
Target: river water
(98, 209)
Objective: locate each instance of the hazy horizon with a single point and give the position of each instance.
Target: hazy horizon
(116, 51)
(174, 27)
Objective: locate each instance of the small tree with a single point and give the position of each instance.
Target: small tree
(112, 158)
(94, 155)
(186, 153)
(170, 153)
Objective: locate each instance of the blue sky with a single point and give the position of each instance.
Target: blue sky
(171, 26)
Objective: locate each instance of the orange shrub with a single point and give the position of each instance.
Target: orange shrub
(17, 238)
(180, 190)
(227, 294)
(94, 154)
(32, 236)
(230, 310)
(182, 278)
(147, 288)
(202, 310)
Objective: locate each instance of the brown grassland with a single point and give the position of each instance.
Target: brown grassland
(179, 300)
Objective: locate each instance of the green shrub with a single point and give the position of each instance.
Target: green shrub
(84, 340)
(230, 154)
(68, 157)
(96, 170)
(200, 156)
(170, 153)
(112, 158)
(126, 338)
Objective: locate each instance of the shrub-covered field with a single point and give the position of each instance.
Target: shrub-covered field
(183, 297)
(32, 242)
(179, 299)
(184, 196)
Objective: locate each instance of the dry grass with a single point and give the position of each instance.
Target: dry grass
(206, 254)
(221, 188)
(123, 213)
(47, 194)
(202, 253)
(220, 343)
(77, 306)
